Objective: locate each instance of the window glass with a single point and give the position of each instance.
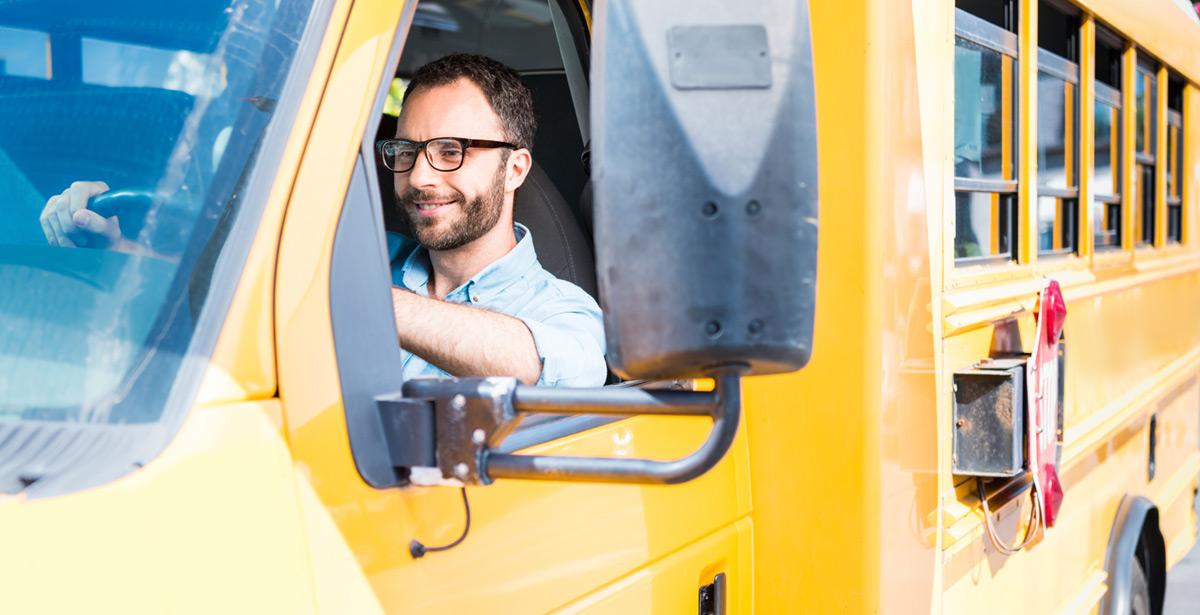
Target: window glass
(1057, 224)
(1107, 175)
(984, 224)
(1144, 197)
(24, 53)
(1107, 225)
(1147, 111)
(1174, 158)
(168, 101)
(1056, 132)
(983, 113)
(1107, 158)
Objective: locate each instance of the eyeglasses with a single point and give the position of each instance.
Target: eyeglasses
(445, 154)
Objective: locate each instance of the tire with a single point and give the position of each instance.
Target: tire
(1139, 595)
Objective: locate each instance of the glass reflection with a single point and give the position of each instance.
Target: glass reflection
(1146, 93)
(982, 112)
(1056, 224)
(1056, 132)
(1107, 152)
(1106, 225)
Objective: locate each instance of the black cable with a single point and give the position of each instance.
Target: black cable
(418, 550)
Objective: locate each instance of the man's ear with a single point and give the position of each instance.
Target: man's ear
(520, 162)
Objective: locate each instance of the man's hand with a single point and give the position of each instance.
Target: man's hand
(66, 218)
(465, 341)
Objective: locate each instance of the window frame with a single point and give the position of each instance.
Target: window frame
(1145, 160)
(994, 38)
(1106, 94)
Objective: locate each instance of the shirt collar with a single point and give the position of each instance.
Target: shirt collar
(491, 280)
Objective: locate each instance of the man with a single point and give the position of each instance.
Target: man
(472, 299)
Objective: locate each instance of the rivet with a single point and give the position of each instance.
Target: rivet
(753, 207)
(712, 328)
(460, 470)
(459, 402)
(478, 436)
(710, 209)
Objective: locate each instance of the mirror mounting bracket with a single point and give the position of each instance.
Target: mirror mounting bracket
(473, 416)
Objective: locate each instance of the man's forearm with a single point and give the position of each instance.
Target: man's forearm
(465, 341)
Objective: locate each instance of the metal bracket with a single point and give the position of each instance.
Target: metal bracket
(473, 416)
(470, 415)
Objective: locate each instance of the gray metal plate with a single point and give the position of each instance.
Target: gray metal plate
(719, 57)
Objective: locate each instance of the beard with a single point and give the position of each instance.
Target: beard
(477, 217)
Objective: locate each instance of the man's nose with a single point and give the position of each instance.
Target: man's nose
(423, 174)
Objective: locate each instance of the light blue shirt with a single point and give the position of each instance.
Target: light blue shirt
(566, 323)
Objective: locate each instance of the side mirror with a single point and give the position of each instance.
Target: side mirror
(704, 155)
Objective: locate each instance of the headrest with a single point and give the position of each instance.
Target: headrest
(561, 245)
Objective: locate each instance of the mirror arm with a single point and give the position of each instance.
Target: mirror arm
(471, 417)
(725, 409)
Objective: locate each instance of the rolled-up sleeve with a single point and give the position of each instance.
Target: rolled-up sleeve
(568, 331)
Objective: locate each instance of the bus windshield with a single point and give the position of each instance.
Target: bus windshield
(158, 108)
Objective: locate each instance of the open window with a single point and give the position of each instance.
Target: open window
(546, 43)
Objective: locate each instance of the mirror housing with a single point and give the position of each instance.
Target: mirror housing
(704, 154)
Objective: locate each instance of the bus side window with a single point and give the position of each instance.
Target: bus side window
(985, 132)
(1058, 131)
(1174, 160)
(1106, 179)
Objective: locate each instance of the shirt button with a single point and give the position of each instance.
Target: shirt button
(475, 299)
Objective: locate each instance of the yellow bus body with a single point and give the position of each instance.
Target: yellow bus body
(837, 495)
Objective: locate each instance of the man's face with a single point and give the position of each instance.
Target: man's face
(445, 211)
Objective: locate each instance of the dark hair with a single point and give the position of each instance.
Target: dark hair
(506, 93)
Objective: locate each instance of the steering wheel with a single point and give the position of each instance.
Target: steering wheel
(130, 205)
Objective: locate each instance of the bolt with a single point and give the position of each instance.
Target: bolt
(460, 470)
(459, 402)
(712, 328)
(755, 327)
(960, 423)
(710, 209)
(478, 436)
(753, 207)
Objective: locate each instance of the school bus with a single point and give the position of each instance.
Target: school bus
(215, 421)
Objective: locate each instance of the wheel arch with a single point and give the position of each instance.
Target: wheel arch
(1135, 534)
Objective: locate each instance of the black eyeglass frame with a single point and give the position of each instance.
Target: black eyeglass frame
(420, 145)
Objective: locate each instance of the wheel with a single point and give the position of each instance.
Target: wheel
(1139, 595)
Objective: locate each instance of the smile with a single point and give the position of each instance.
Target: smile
(430, 207)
